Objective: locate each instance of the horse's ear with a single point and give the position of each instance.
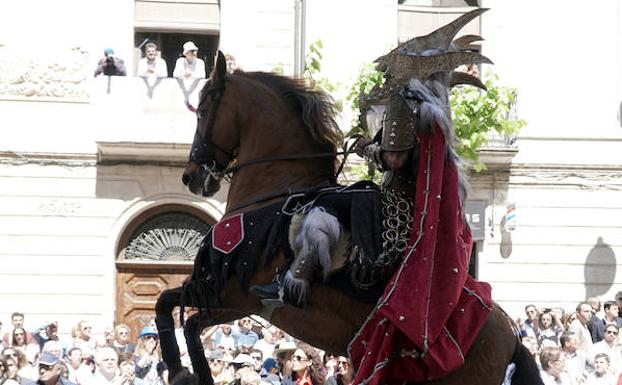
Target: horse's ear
(220, 68)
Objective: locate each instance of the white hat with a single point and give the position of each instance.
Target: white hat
(189, 46)
(287, 346)
(243, 358)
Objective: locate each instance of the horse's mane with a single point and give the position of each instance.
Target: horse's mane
(315, 108)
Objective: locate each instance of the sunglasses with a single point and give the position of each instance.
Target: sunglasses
(256, 358)
(615, 333)
(344, 363)
(299, 358)
(10, 354)
(151, 338)
(215, 361)
(45, 367)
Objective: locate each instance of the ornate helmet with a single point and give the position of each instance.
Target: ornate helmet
(433, 56)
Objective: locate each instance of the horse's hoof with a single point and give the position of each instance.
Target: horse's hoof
(185, 378)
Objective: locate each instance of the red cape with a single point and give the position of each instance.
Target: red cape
(431, 310)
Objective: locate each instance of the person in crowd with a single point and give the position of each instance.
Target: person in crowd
(89, 363)
(531, 343)
(611, 348)
(55, 348)
(577, 362)
(77, 371)
(206, 338)
(250, 378)
(110, 65)
(11, 371)
(595, 321)
(559, 314)
(121, 342)
(127, 370)
(267, 343)
(306, 367)
(548, 333)
(242, 363)
(45, 333)
(611, 314)
(580, 327)
(20, 340)
(17, 321)
(51, 371)
(224, 337)
(190, 66)
(82, 338)
(553, 367)
(221, 372)
(530, 326)
(231, 63)
(257, 357)
(330, 364)
(569, 319)
(25, 369)
(602, 374)
(247, 337)
(270, 372)
(618, 298)
(283, 352)
(152, 65)
(5, 372)
(344, 374)
(147, 356)
(106, 361)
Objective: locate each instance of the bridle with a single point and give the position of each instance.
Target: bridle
(202, 152)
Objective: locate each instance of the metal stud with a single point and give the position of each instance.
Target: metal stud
(227, 224)
(455, 270)
(228, 243)
(250, 242)
(402, 318)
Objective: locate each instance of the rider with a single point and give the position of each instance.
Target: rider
(431, 310)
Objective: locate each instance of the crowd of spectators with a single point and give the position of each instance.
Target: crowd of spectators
(245, 352)
(582, 347)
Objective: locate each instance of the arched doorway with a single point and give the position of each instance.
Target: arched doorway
(156, 252)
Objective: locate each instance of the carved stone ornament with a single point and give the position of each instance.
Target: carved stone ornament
(167, 237)
(31, 75)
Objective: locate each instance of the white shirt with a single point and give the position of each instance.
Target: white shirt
(183, 69)
(156, 68)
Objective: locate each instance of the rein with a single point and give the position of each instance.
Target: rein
(346, 151)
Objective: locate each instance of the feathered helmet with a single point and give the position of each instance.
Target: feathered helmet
(422, 58)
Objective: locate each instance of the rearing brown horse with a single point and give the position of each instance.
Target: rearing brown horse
(277, 136)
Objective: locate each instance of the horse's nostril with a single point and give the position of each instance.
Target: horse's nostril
(185, 179)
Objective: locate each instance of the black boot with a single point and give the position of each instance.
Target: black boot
(269, 291)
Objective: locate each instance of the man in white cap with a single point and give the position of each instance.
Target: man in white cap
(190, 66)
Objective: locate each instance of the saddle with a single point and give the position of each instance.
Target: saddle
(236, 243)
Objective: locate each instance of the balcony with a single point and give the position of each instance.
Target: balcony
(149, 118)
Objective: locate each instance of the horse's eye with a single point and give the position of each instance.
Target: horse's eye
(199, 114)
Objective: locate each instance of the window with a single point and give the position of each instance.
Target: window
(170, 46)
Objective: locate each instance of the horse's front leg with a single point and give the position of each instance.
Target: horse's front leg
(166, 330)
(192, 331)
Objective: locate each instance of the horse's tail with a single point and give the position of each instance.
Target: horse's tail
(527, 372)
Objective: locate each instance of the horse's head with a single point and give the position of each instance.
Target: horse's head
(212, 150)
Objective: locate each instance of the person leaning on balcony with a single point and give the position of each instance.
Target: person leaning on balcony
(110, 65)
(190, 66)
(152, 65)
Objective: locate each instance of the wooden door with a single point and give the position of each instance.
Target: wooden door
(138, 287)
